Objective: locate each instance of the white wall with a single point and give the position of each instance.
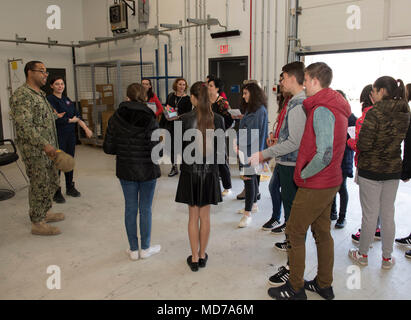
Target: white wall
(265, 67)
(87, 19)
(383, 23)
(28, 18)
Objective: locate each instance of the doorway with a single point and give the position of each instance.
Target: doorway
(352, 71)
(232, 71)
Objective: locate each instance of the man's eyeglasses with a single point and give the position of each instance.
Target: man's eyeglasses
(43, 72)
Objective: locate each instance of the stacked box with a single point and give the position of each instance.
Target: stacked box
(87, 112)
(107, 93)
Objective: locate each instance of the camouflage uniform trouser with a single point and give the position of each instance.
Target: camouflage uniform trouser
(44, 182)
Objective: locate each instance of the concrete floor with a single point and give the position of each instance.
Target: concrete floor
(91, 250)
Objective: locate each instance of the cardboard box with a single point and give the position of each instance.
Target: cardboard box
(85, 95)
(107, 97)
(86, 102)
(104, 87)
(89, 102)
(106, 93)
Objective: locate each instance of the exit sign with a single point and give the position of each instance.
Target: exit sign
(224, 49)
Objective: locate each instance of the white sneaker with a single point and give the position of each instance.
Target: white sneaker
(357, 257)
(226, 192)
(253, 210)
(133, 254)
(387, 263)
(150, 251)
(245, 221)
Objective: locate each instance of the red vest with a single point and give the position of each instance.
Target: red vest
(330, 176)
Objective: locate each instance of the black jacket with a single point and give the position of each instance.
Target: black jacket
(348, 159)
(128, 137)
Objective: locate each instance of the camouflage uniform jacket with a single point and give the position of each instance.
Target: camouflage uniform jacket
(34, 121)
(380, 138)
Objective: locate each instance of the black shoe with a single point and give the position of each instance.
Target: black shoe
(333, 216)
(340, 223)
(356, 237)
(286, 292)
(193, 265)
(72, 191)
(270, 224)
(279, 230)
(173, 172)
(282, 246)
(377, 235)
(408, 254)
(280, 278)
(202, 262)
(326, 293)
(258, 196)
(58, 197)
(404, 241)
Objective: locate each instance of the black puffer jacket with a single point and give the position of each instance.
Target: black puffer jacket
(128, 137)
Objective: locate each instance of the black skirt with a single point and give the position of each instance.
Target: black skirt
(199, 188)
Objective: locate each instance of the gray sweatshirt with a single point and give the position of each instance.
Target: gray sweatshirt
(295, 118)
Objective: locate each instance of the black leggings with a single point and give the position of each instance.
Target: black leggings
(251, 191)
(343, 199)
(225, 175)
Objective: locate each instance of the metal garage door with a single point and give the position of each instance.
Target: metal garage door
(336, 25)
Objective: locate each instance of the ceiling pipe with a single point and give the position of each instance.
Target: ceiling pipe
(81, 44)
(38, 43)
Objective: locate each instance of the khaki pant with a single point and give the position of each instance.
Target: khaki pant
(311, 207)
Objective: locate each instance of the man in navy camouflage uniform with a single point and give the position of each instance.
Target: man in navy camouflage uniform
(34, 121)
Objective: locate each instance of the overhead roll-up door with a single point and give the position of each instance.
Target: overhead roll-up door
(336, 25)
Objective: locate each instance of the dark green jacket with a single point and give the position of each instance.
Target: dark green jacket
(379, 143)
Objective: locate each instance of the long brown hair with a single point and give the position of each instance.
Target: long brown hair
(205, 115)
(257, 97)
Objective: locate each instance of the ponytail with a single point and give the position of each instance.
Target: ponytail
(400, 92)
(395, 88)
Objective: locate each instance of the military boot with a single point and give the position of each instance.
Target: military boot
(54, 217)
(43, 229)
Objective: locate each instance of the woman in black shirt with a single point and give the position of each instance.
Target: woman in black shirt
(199, 185)
(66, 131)
(180, 101)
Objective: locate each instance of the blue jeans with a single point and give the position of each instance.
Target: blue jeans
(138, 196)
(274, 188)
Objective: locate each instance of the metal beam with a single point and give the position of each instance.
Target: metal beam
(152, 32)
